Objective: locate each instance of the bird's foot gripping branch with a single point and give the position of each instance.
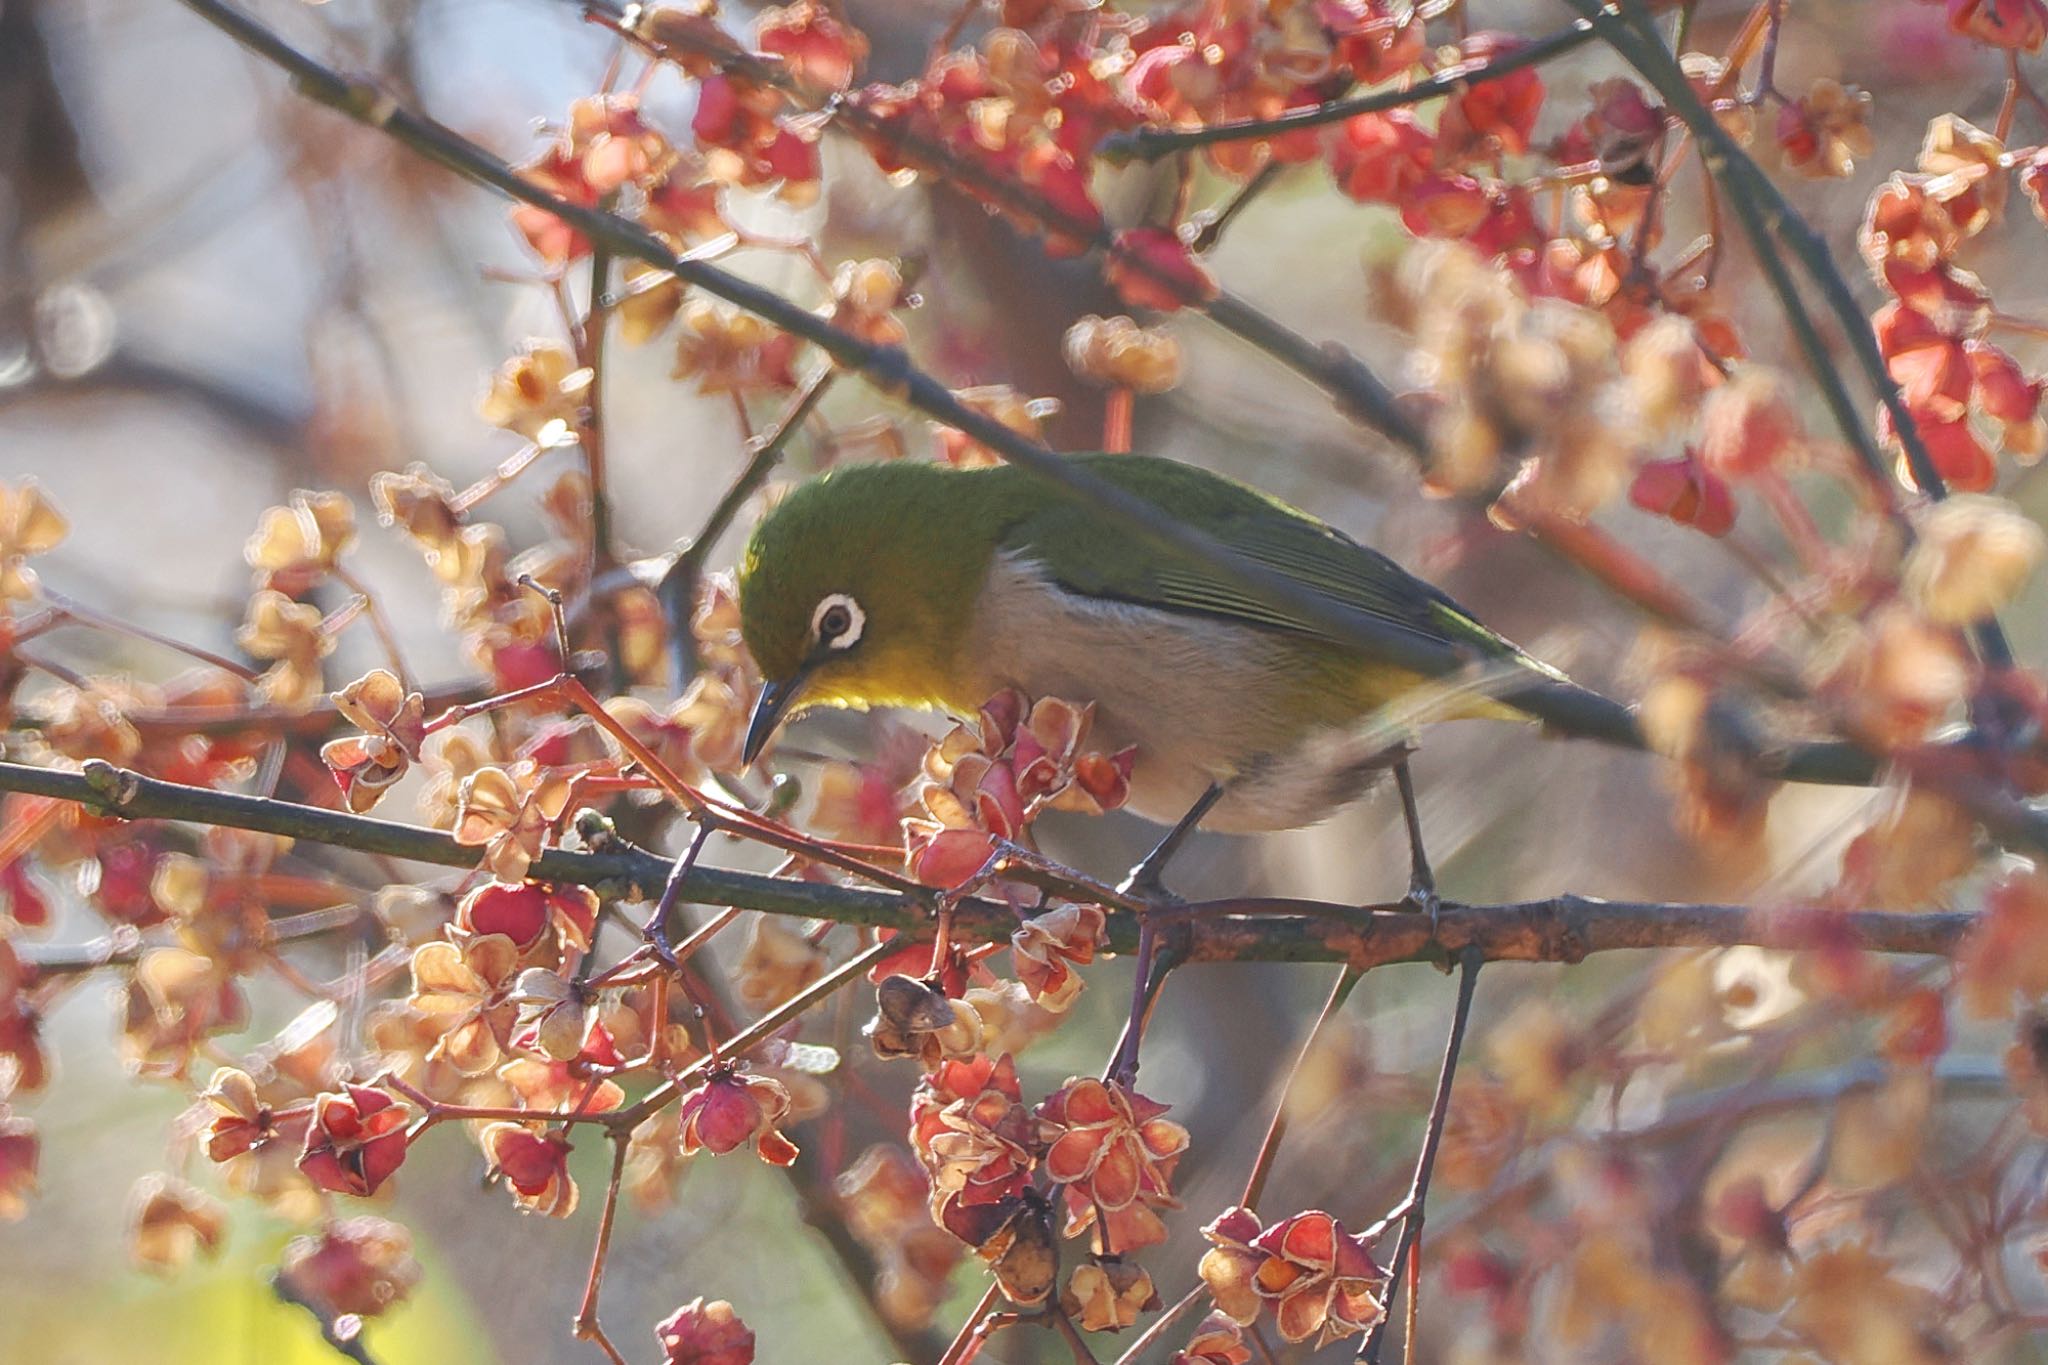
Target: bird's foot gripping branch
(1811, 1125)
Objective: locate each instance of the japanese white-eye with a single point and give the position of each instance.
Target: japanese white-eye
(936, 588)
(920, 585)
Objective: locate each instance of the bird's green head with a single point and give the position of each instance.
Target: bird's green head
(857, 589)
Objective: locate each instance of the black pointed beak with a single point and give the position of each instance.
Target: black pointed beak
(769, 709)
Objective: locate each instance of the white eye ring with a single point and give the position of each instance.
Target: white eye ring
(838, 606)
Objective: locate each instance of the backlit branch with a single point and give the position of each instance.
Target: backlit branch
(1558, 929)
(1151, 143)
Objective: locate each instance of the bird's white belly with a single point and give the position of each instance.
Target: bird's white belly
(1199, 698)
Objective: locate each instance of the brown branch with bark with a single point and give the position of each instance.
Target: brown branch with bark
(1564, 928)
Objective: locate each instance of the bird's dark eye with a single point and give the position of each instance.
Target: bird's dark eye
(837, 622)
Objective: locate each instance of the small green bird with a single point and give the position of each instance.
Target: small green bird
(920, 585)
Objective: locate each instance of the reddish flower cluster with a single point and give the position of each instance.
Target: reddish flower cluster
(730, 1109)
(1684, 490)
(986, 781)
(2015, 25)
(355, 1141)
(886, 1198)
(1932, 334)
(701, 1333)
(353, 1266)
(535, 1165)
(1047, 949)
(969, 1127)
(392, 722)
(607, 145)
(1320, 1280)
(1116, 1152)
(523, 911)
(1016, 113)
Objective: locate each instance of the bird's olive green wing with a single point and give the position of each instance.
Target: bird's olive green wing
(1086, 553)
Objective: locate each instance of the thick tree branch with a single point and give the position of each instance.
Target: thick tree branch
(1560, 929)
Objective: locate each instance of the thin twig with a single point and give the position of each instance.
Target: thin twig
(1210, 227)
(655, 931)
(590, 431)
(1158, 1327)
(125, 946)
(1149, 144)
(677, 590)
(586, 1326)
(310, 721)
(92, 616)
(1065, 1326)
(380, 624)
(755, 1033)
(964, 1338)
(1276, 1129)
(1406, 1245)
(589, 337)
(1154, 961)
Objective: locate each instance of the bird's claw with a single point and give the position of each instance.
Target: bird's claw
(1422, 898)
(1144, 884)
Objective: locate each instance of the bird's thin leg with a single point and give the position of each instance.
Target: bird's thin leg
(1145, 878)
(1421, 880)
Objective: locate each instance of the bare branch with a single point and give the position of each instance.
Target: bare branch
(1560, 929)
(1408, 1244)
(1149, 144)
(678, 587)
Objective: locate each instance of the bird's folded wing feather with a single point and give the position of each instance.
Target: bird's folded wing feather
(1085, 553)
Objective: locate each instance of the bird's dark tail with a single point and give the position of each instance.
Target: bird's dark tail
(1581, 712)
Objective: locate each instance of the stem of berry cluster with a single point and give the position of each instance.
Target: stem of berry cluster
(1409, 1244)
(1151, 143)
(677, 588)
(586, 1325)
